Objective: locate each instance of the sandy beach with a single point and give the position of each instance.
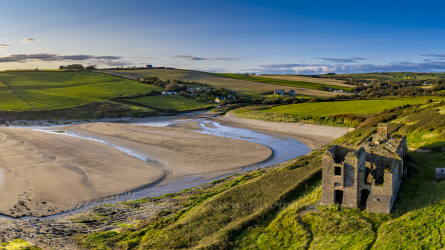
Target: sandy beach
(314, 136)
(46, 173)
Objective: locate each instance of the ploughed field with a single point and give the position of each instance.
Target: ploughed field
(220, 80)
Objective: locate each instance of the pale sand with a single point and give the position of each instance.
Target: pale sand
(45, 173)
(314, 136)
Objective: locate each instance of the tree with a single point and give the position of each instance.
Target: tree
(91, 67)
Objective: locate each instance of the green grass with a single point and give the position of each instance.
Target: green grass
(419, 229)
(172, 102)
(333, 230)
(58, 89)
(329, 113)
(308, 85)
(10, 101)
(18, 244)
(284, 230)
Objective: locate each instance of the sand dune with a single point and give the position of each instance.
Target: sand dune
(45, 173)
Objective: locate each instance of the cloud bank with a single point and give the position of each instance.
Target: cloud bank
(194, 58)
(339, 60)
(428, 66)
(46, 57)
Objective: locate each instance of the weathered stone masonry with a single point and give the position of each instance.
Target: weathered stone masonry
(365, 176)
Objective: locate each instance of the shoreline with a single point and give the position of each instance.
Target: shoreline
(314, 136)
(313, 140)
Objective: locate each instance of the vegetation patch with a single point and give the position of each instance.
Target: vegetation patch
(172, 102)
(339, 231)
(419, 229)
(18, 244)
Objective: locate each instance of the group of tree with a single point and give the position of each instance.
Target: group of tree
(78, 67)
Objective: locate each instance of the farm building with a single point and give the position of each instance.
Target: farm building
(279, 92)
(291, 92)
(440, 174)
(367, 176)
(220, 99)
(169, 92)
(149, 66)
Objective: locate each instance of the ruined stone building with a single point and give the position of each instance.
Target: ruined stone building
(366, 176)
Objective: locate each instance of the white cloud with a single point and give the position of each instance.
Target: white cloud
(30, 40)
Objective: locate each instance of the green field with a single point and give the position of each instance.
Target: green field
(172, 102)
(341, 107)
(395, 76)
(282, 82)
(322, 112)
(44, 90)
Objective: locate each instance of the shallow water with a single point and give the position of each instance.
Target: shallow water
(284, 149)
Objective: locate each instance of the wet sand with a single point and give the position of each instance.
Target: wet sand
(314, 136)
(46, 173)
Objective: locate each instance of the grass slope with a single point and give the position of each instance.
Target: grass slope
(215, 81)
(173, 102)
(43, 90)
(325, 112)
(280, 81)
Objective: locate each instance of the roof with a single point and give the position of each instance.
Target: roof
(220, 97)
(279, 90)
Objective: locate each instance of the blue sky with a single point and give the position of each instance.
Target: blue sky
(282, 37)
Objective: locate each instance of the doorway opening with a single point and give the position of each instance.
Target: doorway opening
(338, 196)
(364, 194)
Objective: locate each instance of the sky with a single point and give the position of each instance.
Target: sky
(263, 37)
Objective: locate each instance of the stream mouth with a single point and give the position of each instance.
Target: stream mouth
(283, 148)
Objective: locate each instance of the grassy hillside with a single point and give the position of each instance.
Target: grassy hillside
(282, 82)
(276, 208)
(395, 76)
(173, 102)
(215, 81)
(332, 113)
(45, 90)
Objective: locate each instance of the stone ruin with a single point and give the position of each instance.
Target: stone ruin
(366, 176)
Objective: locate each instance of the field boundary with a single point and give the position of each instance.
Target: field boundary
(15, 93)
(279, 82)
(127, 100)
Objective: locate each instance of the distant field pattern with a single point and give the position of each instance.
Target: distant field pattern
(308, 79)
(228, 83)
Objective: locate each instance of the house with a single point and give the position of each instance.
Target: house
(149, 66)
(366, 176)
(329, 89)
(220, 99)
(278, 92)
(168, 92)
(291, 92)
